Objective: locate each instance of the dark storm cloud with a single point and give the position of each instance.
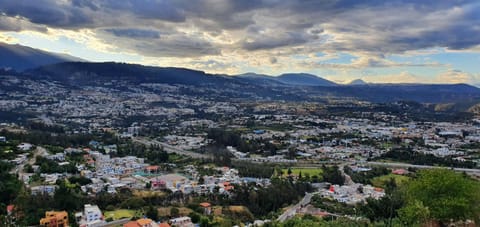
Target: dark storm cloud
(134, 33)
(164, 10)
(273, 41)
(46, 12)
(372, 26)
(17, 24)
(149, 44)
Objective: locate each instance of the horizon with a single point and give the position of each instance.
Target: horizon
(341, 41)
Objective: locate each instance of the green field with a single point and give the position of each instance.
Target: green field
(381, 181)
(119, 214)
(309, 171)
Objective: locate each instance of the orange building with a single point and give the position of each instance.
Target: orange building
(55, 219)
(143, 222)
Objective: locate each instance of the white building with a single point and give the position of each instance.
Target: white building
(91, 216)
(182, 222)
(25, 146)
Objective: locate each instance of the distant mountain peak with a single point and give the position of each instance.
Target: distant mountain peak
(304, 79)
(357, 82)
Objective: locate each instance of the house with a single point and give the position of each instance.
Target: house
(182, 222)
(55, 219)
(56, 157)
(43, 189)
(207, 208)
(91, 216)
(10, 209)
(399, 171)
(143, 222)
(24, 146)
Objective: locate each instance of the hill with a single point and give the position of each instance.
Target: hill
(357, 82)
(20, 57)
(292, 87)
(304, 79)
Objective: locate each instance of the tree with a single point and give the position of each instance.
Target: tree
(174, 212)
(442, 195)
(414, 214)
(152, 213)
(333, 175)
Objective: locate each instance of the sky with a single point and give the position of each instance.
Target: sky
(394, 41)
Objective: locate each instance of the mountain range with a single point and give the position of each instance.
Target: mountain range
(20, 57)
(73, 71)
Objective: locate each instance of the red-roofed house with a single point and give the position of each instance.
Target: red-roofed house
(400, 171)
(207, 208)
(10, 209)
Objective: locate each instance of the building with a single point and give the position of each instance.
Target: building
(10, 209)
(55, 219)
(182, 222)
(43, 189)
(143, 222)
(24, 146)
(91, 216)
(207, 208)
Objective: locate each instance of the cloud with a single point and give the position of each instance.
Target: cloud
(273, 60)
(18, 24)
(7, 39)
(46, 12)
(456, 76)
(450, 76)
(403, 77)
(366, 61)
(151, 43)
(163, 10)
(134, 33)
(272, 40)
(272, 30)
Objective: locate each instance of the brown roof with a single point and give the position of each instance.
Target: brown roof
(131, 224)
(205, 204)
(144, 221)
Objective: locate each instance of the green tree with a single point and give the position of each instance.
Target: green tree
(174, 212)
(414, 214)
(442, 195)
(152, 213)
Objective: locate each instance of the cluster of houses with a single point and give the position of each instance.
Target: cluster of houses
(353, 193)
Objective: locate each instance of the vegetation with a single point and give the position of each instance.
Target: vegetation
(262, 201)
(119, 214)
(304, 171)
(382, 181)
(9, 186)
(417, 158)
(441, 195)
(248, 169)
(50, 166)
(365, 177)
(333, 175)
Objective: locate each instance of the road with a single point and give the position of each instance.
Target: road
(170, 149)
(19, 169)
(114, 223)
(293, 210)
(406, 165)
